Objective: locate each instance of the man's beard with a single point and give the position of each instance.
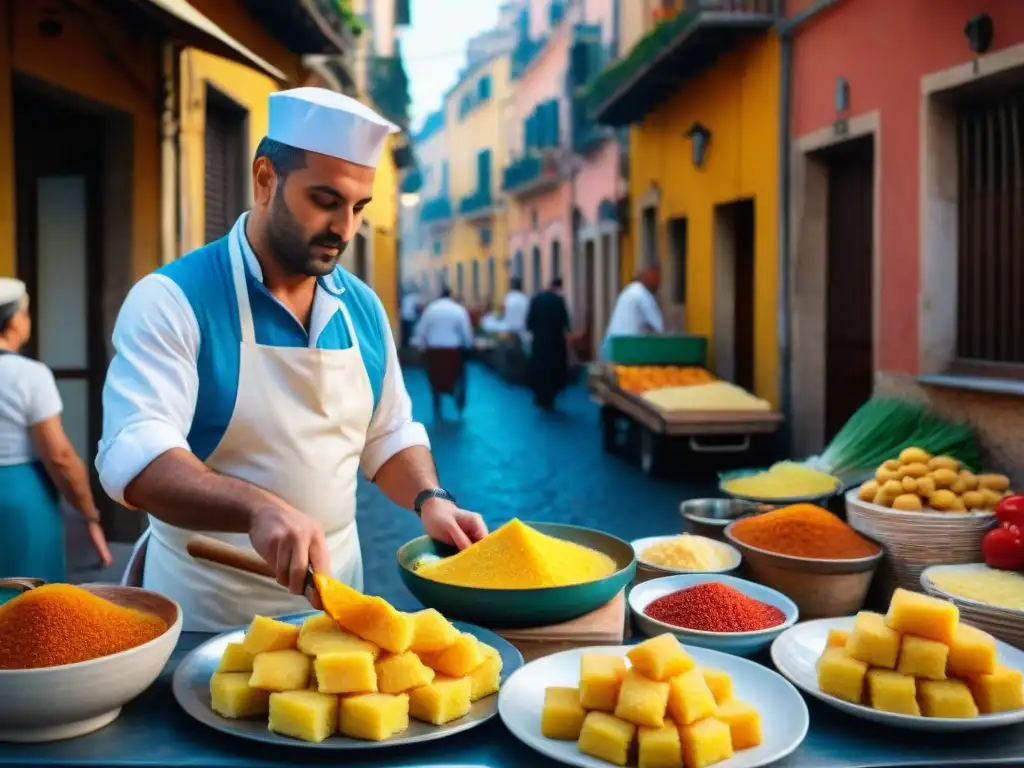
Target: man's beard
(294, 250)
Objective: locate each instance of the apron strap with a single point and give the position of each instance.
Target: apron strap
(241, 286)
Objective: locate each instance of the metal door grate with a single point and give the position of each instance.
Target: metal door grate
(990, 288)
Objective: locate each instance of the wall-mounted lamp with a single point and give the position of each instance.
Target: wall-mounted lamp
(979, 31)
(700, 138)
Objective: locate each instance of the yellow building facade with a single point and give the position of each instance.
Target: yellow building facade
(710, 222)
(477, 256)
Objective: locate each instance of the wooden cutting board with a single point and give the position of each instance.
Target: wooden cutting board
(605, 626)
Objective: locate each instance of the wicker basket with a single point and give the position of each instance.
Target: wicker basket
(915, 540)
(1004, 623)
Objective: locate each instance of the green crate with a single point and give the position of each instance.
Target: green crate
(669, 349)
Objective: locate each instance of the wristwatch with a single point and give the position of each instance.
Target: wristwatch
(430, 493)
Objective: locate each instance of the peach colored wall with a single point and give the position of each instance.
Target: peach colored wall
(598, 180)
(883, 48)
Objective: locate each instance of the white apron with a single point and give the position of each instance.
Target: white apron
(298, 429)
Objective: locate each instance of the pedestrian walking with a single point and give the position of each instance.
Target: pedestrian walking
(636, 310)
(548, 324)
(445, 333)
(254, 377)
(411, 307)
(517, 305)
(38, 464)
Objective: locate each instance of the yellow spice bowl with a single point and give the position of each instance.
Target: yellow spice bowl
(821, 588)
(53, 703)
(515, 608)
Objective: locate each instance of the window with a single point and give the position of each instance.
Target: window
(483, 88)
(517, 265)
(536, 274)
(649, 236)
(476, 280)
(225, 165)
(677, 235)
(490, 278)
(483, 172)
(459, 279)
(556, 259)
(990, 248)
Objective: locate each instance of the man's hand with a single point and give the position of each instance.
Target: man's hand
(99, 543)
(445, 522)
(289, 541)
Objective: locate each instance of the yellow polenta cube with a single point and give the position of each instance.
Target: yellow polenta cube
(400, 672)
(345, 672)
(444, 700)
(660, 658)
(431, 632)
(458, 659)
(659, 747)
(374, 619)
(600, 679)
(606, 737)
(890, 691)
(235, 659)
(706, 743)
(232, 696)
(972, 652)
(841, 675)
(266, 634)
(946, 698)
(719, 682)
(689, 698)
(837, 638)
(744, 723)
(373, 716)
(333, 639)
(642, 701)
(280, 670)
(562, 715)
(999, 691)
(874, 642)
(920, 657)
(912, 613)
(486, 679)
(305, 715)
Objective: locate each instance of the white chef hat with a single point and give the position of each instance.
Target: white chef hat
(12, 294)
(330, 123)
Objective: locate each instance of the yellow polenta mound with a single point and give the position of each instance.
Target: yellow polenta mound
(517, 557)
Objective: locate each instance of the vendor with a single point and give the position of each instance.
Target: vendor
(253, 377)
(636, 310)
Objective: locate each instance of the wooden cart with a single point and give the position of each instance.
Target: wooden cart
(706, 432)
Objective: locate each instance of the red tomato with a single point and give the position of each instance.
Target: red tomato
(1003, 548)
(1011, 510)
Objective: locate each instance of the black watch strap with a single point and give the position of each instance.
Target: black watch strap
(430, 493)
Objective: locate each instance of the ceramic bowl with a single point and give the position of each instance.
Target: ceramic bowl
(736, 643)
(52, 703)
(725, 477)
(514, 608)
(646, 570)
(822, 588)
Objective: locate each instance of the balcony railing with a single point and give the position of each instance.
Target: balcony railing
(478, 205)
(437, 210)
(534, 172)
(680, 47)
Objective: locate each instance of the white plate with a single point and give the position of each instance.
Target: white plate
(796, 651)
(784, 717)
(927, 583)
(735, 558)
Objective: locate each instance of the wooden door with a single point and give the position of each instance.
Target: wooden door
(849, 322)
(743, 306)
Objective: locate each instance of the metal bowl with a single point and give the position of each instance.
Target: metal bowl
(709, 517)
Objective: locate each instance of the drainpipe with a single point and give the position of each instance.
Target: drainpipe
(169, 155)
(786, 28)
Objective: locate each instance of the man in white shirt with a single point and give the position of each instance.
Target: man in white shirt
(636, 310)
(517, 306)
(410, 314)
(445, 332)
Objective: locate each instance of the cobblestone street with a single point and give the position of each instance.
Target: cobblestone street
(507, 459)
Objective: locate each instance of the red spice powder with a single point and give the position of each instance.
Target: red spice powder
(714, 607)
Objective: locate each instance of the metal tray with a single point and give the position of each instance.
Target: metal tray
(191, 686)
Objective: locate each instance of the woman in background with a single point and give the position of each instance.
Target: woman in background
(38, 464)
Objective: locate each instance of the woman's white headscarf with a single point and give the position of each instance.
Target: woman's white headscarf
(12, 297)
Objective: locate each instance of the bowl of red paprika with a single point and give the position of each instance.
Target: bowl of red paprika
(720, 612)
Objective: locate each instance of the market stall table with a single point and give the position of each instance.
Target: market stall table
(154, 732)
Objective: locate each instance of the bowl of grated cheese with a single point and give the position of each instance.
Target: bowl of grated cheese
(683, 553)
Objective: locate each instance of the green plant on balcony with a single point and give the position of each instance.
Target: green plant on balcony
(647, 49)
(351, 19)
